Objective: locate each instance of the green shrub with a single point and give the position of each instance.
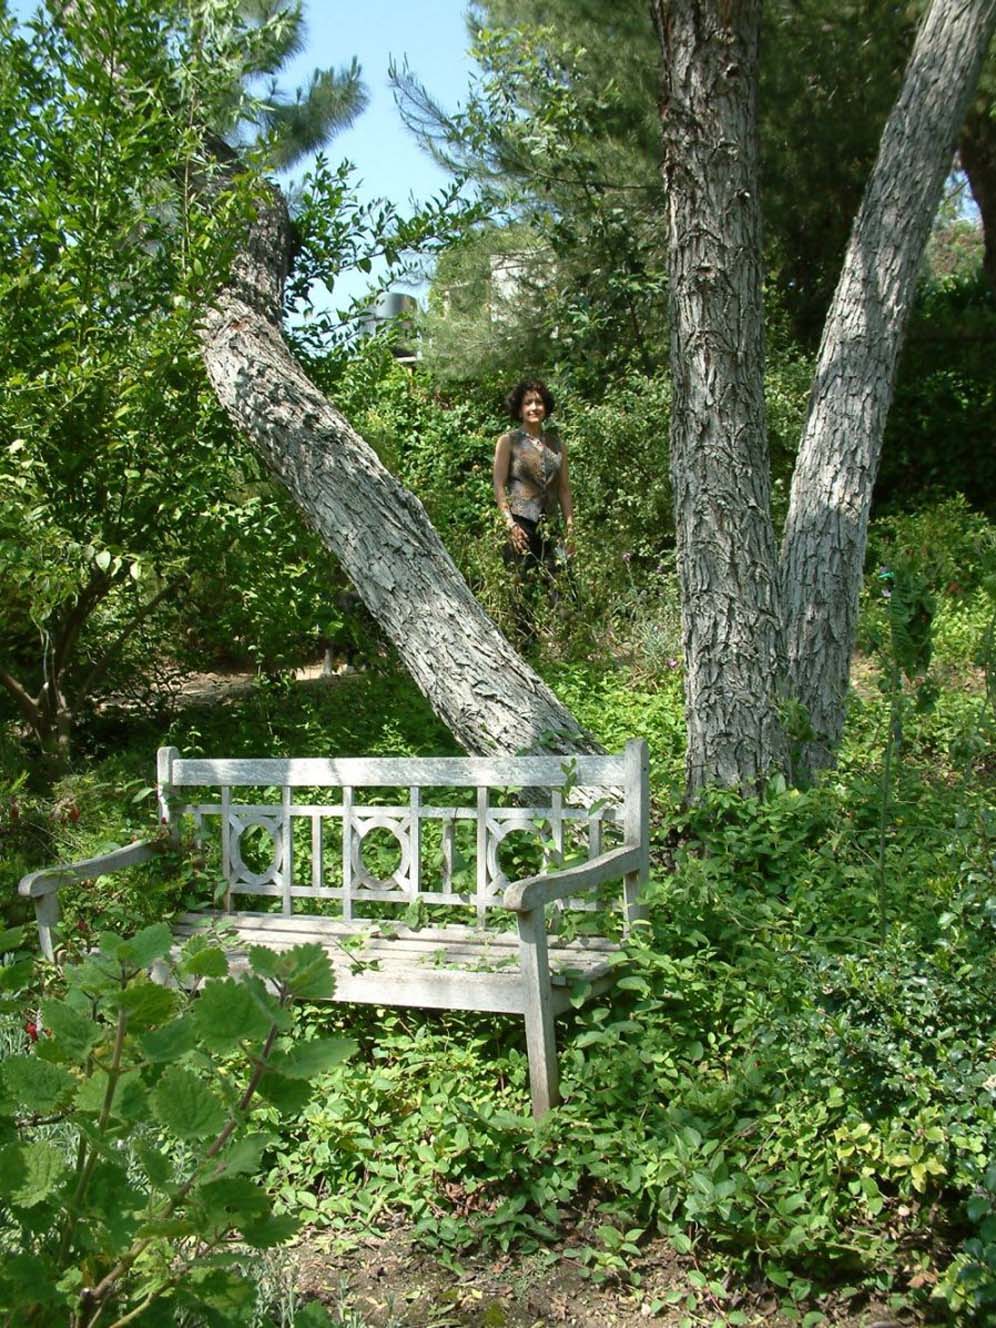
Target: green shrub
(126, 1164)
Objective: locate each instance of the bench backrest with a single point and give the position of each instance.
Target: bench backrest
(310, 818)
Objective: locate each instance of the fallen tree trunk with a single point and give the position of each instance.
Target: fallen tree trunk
(488, 697)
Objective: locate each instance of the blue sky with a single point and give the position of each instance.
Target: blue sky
(432, 35)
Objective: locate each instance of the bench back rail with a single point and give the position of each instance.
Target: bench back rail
(296, 828)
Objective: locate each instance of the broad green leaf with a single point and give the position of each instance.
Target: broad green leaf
(232, 1201)
(18, 975)
(231, 1293)
(275, 1013)
(245, 1154)
(171, 1041)
(156, 1165)
(307, 972)
(305, 1060)
(226, 1015)
(131, 1102)
(289, 1096)
(35, 1085)
(113, 1200)
(109, 943)
(29, 1173)
(73, 1034)
(208, 962)
(27, 1278)
(126, 1102)
(148, 945)
(11, 938)
(264, 961)
(93, 977)
(186, 1106)
(169, 1228)
(145, 1003)
(270, 1231)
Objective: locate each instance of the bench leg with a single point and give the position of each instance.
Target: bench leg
(633, 910)
(541, 1041)
(47, 914)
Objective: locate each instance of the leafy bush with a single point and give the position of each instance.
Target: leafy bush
(945, 403)
(126, 1164)
(769, 1084)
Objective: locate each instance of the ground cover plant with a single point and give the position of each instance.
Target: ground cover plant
(794, 1079)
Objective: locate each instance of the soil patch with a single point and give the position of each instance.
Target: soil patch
(390, 1282)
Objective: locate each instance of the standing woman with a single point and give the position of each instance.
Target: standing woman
(531, 479)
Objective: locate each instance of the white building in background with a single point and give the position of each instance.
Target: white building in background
(393, 306)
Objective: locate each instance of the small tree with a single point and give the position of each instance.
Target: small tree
(123, 484)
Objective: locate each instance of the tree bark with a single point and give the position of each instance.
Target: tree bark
(977, 150)
(487, 696)
(825, 535)
(727, 556)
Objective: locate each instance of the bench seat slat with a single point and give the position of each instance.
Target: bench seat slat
(407, 971)
(565, 965)
(318, 927)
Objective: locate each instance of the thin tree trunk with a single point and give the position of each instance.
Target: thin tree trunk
(825, 535)
(487, 696)
(719, 458)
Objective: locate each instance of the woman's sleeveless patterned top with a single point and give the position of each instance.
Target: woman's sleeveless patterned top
(533, 480)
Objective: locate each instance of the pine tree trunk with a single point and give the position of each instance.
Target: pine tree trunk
(825, 535)
(977, 150)
(719, 458)
(488, 697)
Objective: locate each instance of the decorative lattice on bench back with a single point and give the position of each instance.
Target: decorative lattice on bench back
(312, 818)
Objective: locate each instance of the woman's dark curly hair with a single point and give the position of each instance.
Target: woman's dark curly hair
(515, 398)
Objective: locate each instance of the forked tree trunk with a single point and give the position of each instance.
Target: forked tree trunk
(825, 535)
(719, 457)
(487, 696)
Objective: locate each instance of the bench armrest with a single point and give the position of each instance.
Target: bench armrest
(50, 879)
(535, 891)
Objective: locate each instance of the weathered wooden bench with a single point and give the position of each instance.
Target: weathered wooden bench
(442, 926)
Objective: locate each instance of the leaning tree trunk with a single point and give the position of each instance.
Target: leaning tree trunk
(719, 457)
(824, 542)
(489, 698)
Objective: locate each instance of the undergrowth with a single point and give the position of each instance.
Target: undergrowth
(795, 1077)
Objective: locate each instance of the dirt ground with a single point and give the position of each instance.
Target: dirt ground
(389, 1282)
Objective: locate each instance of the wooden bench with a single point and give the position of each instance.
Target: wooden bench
(443, 926)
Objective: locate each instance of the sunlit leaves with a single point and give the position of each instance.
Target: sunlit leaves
(151, 1153)
(122, 483)
(227, 1014)
(29, 1173)
(186, 1106)
(35, 1085)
